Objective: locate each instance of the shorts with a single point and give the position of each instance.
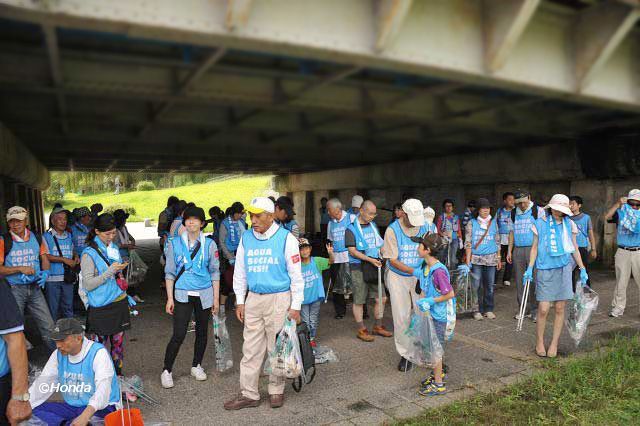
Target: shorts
(362, 290)
(440, 327)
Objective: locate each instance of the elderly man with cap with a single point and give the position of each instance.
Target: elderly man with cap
(523, 216)
(340, 274)
(25, 266)
(64, 262)
(80, 229)
(402, 254)
(269, 287)
(284, 215)
(82, 372)
(626, 215)
(193, 268)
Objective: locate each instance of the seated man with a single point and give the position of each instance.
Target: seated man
(82, 371)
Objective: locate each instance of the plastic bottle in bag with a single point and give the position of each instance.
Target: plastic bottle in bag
(224, 356)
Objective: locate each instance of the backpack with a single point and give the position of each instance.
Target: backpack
(8, 241)
(308, 358)
(534, 213)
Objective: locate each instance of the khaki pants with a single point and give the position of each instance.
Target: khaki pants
(264, 316)
(403, 301)
(627, 263)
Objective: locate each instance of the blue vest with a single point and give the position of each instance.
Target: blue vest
(544, 259)
(109, 291)
(77, 381)
(265, 262)
(79, 232)
(439, 310)
(176, 230)
(4, 359)
(23, 253)
(66, 245)
(451, 224)
(583, 230)
(407, 249)
(233, 233)
(626, 238)
(313, 288)
(522, 233)
(365, 241)
(504, 221)
(289, 225)
(488, 244)
(198, 277)
(337, 233)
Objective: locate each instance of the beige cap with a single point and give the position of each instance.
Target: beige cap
(414, 210)
(560, 202)
(17, 212)
(357, 201)
(429, 215)
(634, 194)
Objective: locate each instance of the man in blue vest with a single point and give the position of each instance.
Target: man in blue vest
(402, 255)
(269, 287)
(14, 365)
(231, 230)
(82, 371)
(25, 266)
(503, 216)
(339, 272)
(586, 239)
(626, 215)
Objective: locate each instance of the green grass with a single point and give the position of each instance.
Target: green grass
(601, 388)
(149, 204)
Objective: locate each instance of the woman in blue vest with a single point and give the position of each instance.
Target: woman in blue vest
(312, 268)
(176, 227)
(108, 307)
(553, 253)
(482, 245)
(192, 272)
(62, 256)
(284, 215)
(80, 229)
(231, 230)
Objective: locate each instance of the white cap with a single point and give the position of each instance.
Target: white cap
(260, 205)
(357, 201)
(560, 202)
(429, 215)
(17, 212)
(414, 210)
(634, 194)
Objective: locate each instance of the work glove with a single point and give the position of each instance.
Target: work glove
(528, 274)
(583, 276)
(464, 269)
(425, 303)
(41, 278)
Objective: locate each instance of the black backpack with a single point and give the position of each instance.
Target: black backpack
(534, 213)
(308, 358)
(8, 241)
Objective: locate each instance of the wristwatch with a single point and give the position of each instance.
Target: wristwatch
(24, 397)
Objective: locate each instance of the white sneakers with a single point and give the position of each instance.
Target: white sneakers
(615, 313)
(490, 315)
(477, 316)
(506, 283)
(166, 379)
(198, 373)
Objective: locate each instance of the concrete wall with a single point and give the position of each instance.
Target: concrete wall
(543, 170)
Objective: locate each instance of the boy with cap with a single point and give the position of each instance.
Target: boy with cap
(626, 215)
(82, 371)
(586, 238)
(25, 266)
(402, 255)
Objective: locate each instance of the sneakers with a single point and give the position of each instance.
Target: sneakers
(517, 317)
(363, 334)
(490, 315)
(477, 316)
(433, 389)
(432, 378)
(166, 378)
(198, 373)
(381, 331)
(138, 299)
(615, 313)
(506, 283)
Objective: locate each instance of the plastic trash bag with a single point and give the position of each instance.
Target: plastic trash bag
(466, 296)
(286, 360)
(425, 349)
(137, 270)
(324, 354)
(224, 356)
(581, 307)
(34, 421)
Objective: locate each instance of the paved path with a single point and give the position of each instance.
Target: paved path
(364, 387)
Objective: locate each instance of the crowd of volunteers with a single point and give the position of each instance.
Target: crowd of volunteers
(257, 263)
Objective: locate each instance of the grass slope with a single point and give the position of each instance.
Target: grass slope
(602, 389)
(149, 204)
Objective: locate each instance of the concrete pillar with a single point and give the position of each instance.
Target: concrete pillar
(299, 202)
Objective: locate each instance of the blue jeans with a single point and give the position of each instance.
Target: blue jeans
(310, 314)
(30, 298)
(57, 413)
(483, 279)
(60, 299)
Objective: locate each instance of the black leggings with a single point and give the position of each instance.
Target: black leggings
(181, 318)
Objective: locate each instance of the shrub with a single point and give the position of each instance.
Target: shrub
(146, 185)
(113, 207)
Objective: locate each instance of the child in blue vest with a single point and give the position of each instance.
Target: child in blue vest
(586, 239)
(312, 268)
(82, 372)
(437, 298)
(482, 244)
(553, 254)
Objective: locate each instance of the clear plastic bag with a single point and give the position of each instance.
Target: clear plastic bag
(224, 356)
(286, 360)
(137, 270)
(466, 297)
(324, 354)
(580, 309)
(425, 348)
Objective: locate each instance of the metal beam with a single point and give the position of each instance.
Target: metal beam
(390, 15)
(237, 14)
(504, 23)
(599, 30)
(53, 53)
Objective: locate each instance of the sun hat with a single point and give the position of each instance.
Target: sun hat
(560, 202)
